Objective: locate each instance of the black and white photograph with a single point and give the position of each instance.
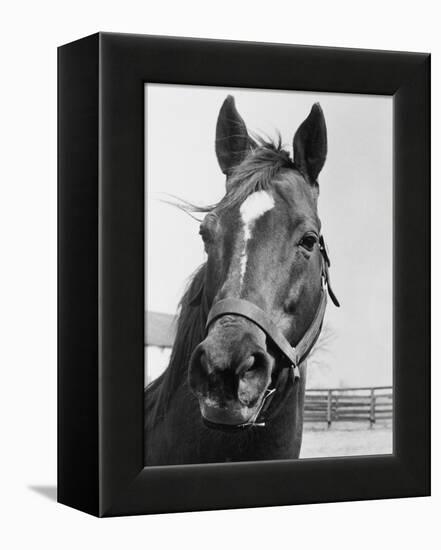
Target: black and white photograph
(220, 278)
(268, 275)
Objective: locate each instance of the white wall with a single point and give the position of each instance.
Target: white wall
(29, 36)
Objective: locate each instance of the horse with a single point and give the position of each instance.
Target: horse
(234, 389)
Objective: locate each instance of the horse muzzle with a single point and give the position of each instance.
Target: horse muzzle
(230, 372)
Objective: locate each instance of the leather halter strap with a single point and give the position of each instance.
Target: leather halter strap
(244, 308)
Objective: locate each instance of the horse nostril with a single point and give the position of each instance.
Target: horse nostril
(247, 365)
(253, 378)
(197, 373)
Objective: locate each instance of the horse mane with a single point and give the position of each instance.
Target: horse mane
(256, 172)
(190, 331)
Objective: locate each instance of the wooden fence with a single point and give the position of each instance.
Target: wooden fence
(349, 404)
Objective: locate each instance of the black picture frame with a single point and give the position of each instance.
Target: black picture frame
(101, 274)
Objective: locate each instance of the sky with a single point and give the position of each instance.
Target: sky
(355, 207)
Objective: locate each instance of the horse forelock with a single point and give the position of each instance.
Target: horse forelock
(255, 173)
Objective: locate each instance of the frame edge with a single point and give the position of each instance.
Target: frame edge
(77, 476)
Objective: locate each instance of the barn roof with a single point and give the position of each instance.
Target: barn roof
(159, 329)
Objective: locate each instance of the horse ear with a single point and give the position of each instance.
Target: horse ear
(232, 139)
(311, 144)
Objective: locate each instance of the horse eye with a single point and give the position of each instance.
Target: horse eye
(308, 242)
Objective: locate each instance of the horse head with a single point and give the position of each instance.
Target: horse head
(263, 245)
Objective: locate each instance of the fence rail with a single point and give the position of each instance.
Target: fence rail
(349, 405)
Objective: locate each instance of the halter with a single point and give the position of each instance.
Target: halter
(294, 354)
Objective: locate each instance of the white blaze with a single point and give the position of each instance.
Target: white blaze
(251, 210)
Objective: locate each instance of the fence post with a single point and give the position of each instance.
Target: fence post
(372, 412)
(329, 410)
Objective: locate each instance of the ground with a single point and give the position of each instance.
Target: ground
(345, 439)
